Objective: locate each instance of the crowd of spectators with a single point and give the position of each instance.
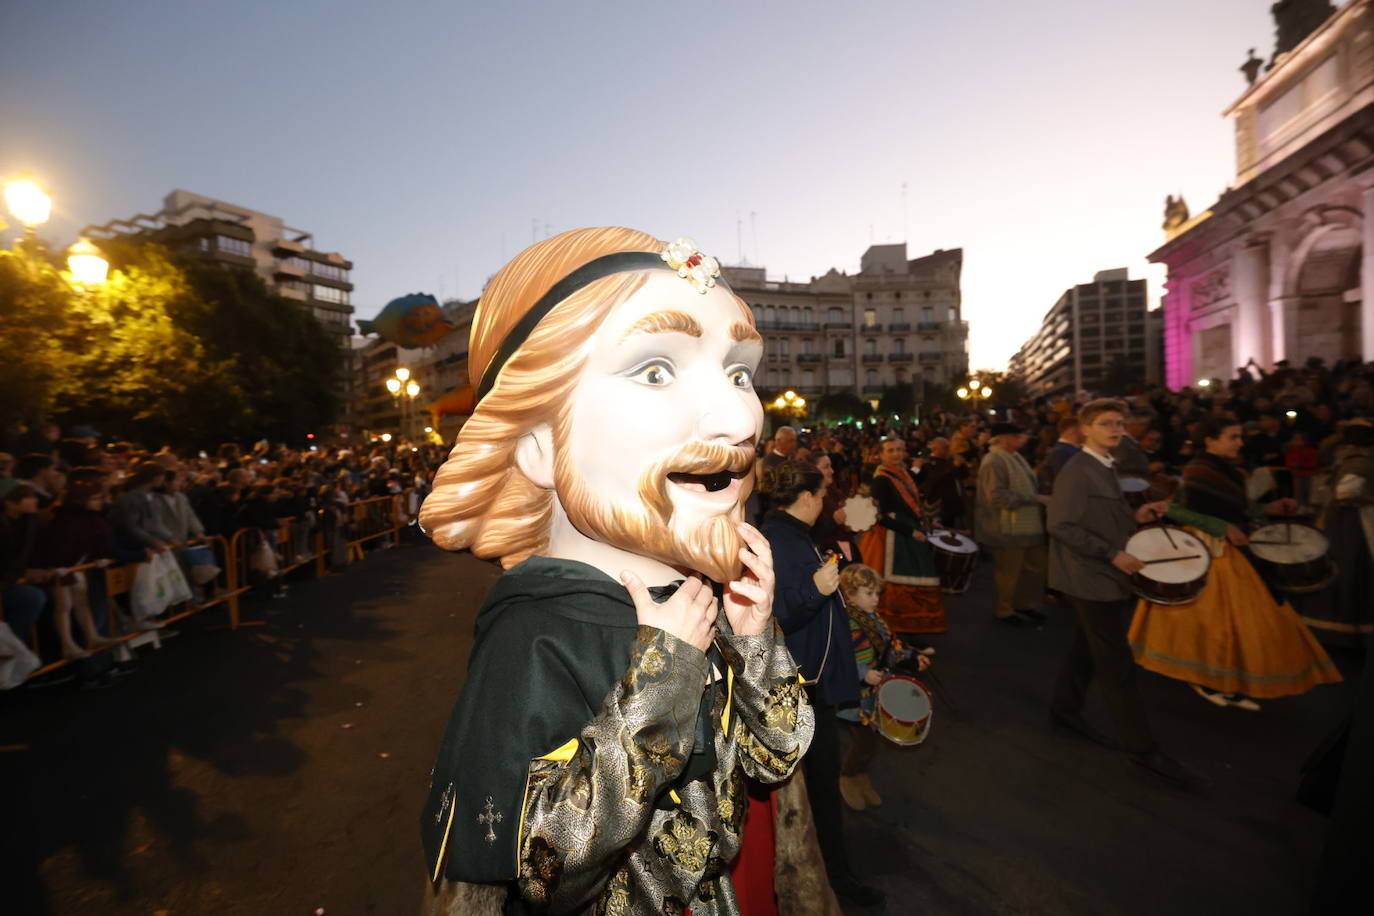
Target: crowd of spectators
(71, 506)
(1294, 420)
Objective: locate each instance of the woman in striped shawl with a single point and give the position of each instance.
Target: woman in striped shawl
(1234, 641)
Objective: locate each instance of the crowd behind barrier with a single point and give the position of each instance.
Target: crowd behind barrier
(103, 546)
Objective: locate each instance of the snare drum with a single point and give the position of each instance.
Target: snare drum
(1295, 558)
(1176, 565)
(956, 557)
(903, 710)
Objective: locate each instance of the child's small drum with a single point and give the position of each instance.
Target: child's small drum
(903, 710)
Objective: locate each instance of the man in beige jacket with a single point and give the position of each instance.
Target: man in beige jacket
(1011, 521)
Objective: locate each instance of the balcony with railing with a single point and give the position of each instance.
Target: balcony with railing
(931, 358)
(899, 327)
(900, 357)
(871, 328)
(870, 358)
(789, 326)
(839, 325)
(929, 325)
(809, 358)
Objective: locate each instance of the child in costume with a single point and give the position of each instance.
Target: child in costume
(877, 651)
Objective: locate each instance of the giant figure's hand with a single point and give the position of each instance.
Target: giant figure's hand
(690, 614)
(749, 599)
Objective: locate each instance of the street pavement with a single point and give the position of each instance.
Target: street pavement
(280, 769)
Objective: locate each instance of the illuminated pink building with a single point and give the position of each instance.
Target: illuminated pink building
(1279, 268)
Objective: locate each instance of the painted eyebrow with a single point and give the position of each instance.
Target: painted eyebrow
(663, 323)
(739, 331)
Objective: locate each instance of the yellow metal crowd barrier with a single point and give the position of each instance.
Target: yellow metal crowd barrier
(252, 557)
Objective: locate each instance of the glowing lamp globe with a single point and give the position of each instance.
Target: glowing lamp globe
(386, 437)
(801, 402)
(403, 373)
(88, 267)
(412, 389)
(986, 392)
(779, 403)
(393, 385)
(29, 203)
(790, 395)
(962, 392)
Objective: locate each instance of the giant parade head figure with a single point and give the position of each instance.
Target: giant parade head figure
(616, 417)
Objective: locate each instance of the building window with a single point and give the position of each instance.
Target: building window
(870, 347)
(807, 316)
(808, 378)
(839, 347)
(928, 313)
(901, 376)
(328, 271)
(795, 315)
(233, 246)
(899, 345)
(329, 294)
(871, 379)
(769, 314)
(835, 316)
(204, 244)
(899, 315)
(870, 318)
(784, 344)
(807, 345)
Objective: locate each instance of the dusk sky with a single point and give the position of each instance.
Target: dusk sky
(425, 140)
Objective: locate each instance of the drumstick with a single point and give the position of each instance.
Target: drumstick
(936, 683)
(1191, 556)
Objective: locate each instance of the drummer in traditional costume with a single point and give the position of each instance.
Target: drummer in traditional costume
(1344, 613)
(896, 547)
(877, 651)
(1234, 641)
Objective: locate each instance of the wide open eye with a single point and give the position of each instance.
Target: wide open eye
(741, 377)
(655, 374)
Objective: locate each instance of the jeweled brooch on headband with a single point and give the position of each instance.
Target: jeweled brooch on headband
(696, 268)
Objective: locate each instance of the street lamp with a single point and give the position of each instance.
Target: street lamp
(974, 391)
(401, 383)
(790, 403)
(86, 264)
(29, 203)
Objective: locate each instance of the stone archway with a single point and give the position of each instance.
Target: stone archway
(1323, 289)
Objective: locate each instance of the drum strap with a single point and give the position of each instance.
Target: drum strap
(829, 633)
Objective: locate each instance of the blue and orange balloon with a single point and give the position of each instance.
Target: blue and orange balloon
(416, 320)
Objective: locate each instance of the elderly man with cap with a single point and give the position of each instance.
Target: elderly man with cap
(1011, 521)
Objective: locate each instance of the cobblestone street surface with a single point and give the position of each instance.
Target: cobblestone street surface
(280, 769)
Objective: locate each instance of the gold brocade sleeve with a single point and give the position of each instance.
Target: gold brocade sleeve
(587, 800)
(773, 720)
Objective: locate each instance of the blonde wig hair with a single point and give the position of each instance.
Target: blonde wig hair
(480, 499)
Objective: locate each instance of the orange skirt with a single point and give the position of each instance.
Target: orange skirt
(913, 609)
(1234, 638)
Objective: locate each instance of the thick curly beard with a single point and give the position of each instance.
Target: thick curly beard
(710, 547)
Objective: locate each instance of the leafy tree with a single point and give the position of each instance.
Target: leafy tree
(34, 313)
(839, 405)
(899, 399)
(162, 351)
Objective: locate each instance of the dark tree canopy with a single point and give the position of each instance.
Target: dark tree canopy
(163, 352)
